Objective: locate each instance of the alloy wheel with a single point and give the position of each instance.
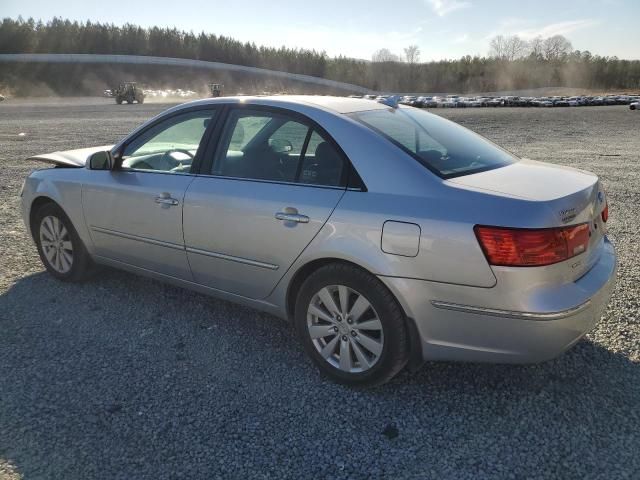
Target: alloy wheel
(56, 244)
(345, 328)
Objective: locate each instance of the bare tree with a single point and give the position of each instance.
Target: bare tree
(384, 55)
(412, 54)
(556, 47)
(536, 47)
(508, 48)
(516, 47)
(497, 47)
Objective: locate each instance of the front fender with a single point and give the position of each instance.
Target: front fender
(62, 186)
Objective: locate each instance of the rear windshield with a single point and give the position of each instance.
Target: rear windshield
(444, 147)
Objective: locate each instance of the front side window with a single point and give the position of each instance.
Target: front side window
(272, 146)
(169, 146)
(444, 147)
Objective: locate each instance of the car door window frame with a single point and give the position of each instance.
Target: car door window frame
(350, 179)
(119, 149)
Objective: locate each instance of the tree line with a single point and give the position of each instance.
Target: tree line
(511, 63)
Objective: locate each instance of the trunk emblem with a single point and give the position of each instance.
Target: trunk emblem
(567, 215)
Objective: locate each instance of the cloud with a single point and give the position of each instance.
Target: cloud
(516, 26)
(461, 39)
(444, 7)
(559, 28)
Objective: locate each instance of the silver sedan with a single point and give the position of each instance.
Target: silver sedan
(387, 235)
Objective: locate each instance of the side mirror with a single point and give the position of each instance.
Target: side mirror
(280, 146)
(101, 161)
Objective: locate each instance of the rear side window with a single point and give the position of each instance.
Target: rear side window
(272, 146)
(444, 147)
(322, 164)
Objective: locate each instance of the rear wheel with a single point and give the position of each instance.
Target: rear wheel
(351, 326)
(119, 101)
(59, 246)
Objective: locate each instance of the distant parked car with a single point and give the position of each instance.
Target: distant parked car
(450, 101)
(634, 106)
(511, 101)
(409, 100)
(524, 102)
(428, 102)
(475, 102)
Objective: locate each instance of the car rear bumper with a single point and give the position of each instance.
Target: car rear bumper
(463, 330)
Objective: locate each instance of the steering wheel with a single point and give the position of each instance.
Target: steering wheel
(168, 157)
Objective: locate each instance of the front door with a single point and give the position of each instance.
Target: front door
(134, 213)
(273, 184)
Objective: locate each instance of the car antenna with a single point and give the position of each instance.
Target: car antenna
(391, 101)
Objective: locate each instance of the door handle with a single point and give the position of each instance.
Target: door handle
(165, 199)
(292, 217)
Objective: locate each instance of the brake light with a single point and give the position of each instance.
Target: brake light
(524, 247)
(605, 213)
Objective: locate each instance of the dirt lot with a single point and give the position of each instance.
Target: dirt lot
(127, 378)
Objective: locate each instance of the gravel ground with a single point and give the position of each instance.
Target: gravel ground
(127, 378)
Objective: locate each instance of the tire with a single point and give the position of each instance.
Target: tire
(70, 261)
(119, 101)
(385, 335)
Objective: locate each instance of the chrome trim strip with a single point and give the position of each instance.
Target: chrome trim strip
(175, 246)
(231, 258)
(274, 182)
(138, 238)
(510, 313)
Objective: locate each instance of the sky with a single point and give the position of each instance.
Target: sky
(356, 28)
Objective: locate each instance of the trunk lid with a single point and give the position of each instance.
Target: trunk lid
(570, 197)
(70, 158)
(531, 180)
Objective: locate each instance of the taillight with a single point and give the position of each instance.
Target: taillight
(605, 213)
(524, 247)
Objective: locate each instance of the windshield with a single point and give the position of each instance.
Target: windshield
(444, 147)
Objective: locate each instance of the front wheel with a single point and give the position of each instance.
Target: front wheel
(59, 246)
(351, 326)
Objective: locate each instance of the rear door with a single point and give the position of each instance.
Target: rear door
(134, 213)
(267, 191)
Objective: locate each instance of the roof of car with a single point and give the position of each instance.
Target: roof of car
(338, 104)
(335, 104)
